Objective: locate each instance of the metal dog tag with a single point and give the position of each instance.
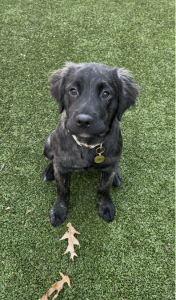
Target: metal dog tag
(100, 158)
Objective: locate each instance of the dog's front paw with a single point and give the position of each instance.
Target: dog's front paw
(117, 179)
(58, 214)
(107, 211)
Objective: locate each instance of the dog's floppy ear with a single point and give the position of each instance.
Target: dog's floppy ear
(57, 84)
(56, 81)
(128, 91)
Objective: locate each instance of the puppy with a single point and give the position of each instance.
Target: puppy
(93, 98)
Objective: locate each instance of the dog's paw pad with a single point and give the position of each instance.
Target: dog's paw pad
(58, 215)
(107, 212)
(117, 179)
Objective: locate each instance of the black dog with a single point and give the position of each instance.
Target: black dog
(88, 136)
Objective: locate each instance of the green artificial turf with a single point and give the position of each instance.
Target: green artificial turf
(132, 257)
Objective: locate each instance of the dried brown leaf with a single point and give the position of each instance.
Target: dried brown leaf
(57, 287)
(71, 240)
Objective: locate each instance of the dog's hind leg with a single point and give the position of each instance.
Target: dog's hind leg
(48, 150)
(48, 173)
(117, 179)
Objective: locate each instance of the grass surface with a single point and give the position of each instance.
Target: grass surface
(128, 258)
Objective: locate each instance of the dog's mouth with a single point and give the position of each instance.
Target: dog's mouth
(83, 135)
(88, 136)
(88, 139)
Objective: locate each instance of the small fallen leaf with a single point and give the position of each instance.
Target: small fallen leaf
(71, 240)
(42, 266)
(3, 166)
(166, 247)
(3, 262)
(57, 286)
(27, 212)
(8, 207)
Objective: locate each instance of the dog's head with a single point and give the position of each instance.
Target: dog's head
(92, 95)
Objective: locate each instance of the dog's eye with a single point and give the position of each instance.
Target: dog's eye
(105, 94)
(74, 92)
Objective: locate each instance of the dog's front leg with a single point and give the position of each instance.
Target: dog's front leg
(106, 207)
(58, 212)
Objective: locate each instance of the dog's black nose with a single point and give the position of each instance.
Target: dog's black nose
(84, 120)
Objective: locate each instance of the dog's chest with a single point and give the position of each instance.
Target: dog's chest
(82, 160)
(79, 159)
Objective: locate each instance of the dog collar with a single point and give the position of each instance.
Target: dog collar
(99, 158)
(84, 145)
